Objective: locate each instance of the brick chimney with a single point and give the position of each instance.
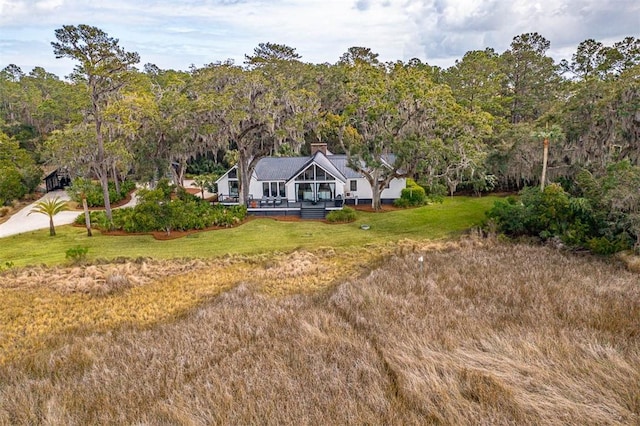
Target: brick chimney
(315, 147)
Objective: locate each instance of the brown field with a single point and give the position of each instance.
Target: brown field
(486, 333)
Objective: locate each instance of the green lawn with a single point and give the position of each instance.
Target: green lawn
(260, 235)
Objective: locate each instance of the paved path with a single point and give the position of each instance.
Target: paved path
(22, 221)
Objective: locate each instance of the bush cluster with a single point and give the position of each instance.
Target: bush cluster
(579, 222)
(19, 175)
(93, 191)
(77, 255)
(412, 196)
(347, 214)
(96, 199)
(157, 211)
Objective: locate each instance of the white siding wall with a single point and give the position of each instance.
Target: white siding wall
(255, 189)
(364, 189)
(223, 184)
(395, 188)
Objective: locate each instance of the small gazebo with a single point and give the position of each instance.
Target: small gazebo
(57, 179)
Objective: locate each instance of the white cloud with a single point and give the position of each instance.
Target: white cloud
(176, 34)
(48, 5)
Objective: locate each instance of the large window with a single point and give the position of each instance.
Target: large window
(326, 191)
(314, 172)
(353, 185)
(315, 184)
(274, 189)
(304, 192)
(233, 188)
(233, 183)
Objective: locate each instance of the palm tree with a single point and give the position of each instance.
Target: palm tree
(555, 134)
(50, 207)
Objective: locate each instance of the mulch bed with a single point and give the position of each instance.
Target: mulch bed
(162, 235)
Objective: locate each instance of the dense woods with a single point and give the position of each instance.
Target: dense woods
(477, 126)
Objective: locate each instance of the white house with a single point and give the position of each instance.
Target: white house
(304, 186)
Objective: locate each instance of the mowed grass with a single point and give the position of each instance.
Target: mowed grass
(484, 333)
(259, 235)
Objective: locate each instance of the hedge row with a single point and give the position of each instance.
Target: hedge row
(154, 212)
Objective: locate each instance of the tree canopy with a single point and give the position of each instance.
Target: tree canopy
(470, 127)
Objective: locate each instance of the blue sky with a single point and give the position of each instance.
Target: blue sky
(176, 34)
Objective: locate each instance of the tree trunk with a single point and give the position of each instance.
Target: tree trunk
(52, 229)
(114, 171)
(545, 156)
(376, 190)
(452, 184)
(376, 204)
(101, 166)
(181, 170)
(104, 182)
(244, 178)
(87, 216)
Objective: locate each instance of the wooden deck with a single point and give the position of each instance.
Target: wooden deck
(284, 207)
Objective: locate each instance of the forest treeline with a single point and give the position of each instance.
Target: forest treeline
(476, 126)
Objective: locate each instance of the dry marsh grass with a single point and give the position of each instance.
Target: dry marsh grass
(39, 303)
(482, 334)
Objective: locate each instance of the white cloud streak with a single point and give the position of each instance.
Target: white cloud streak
(176, 34)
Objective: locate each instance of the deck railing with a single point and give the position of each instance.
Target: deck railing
(278, 202)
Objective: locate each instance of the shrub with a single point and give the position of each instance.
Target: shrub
(413, 195)
(19, 175)
(435, 191)
(605, 246)
(77, 255)
(95, 197)
(6, 266)
(510, 216)
(347, 214)
(155, 215)
(402, 203)
(553, 213)
(11, 187)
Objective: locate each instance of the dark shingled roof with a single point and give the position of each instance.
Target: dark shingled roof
(287, 168)
(340, 162)
(279, 168)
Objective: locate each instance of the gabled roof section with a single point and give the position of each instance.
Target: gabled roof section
(225, 174)
(284, 169)
(323, 161)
